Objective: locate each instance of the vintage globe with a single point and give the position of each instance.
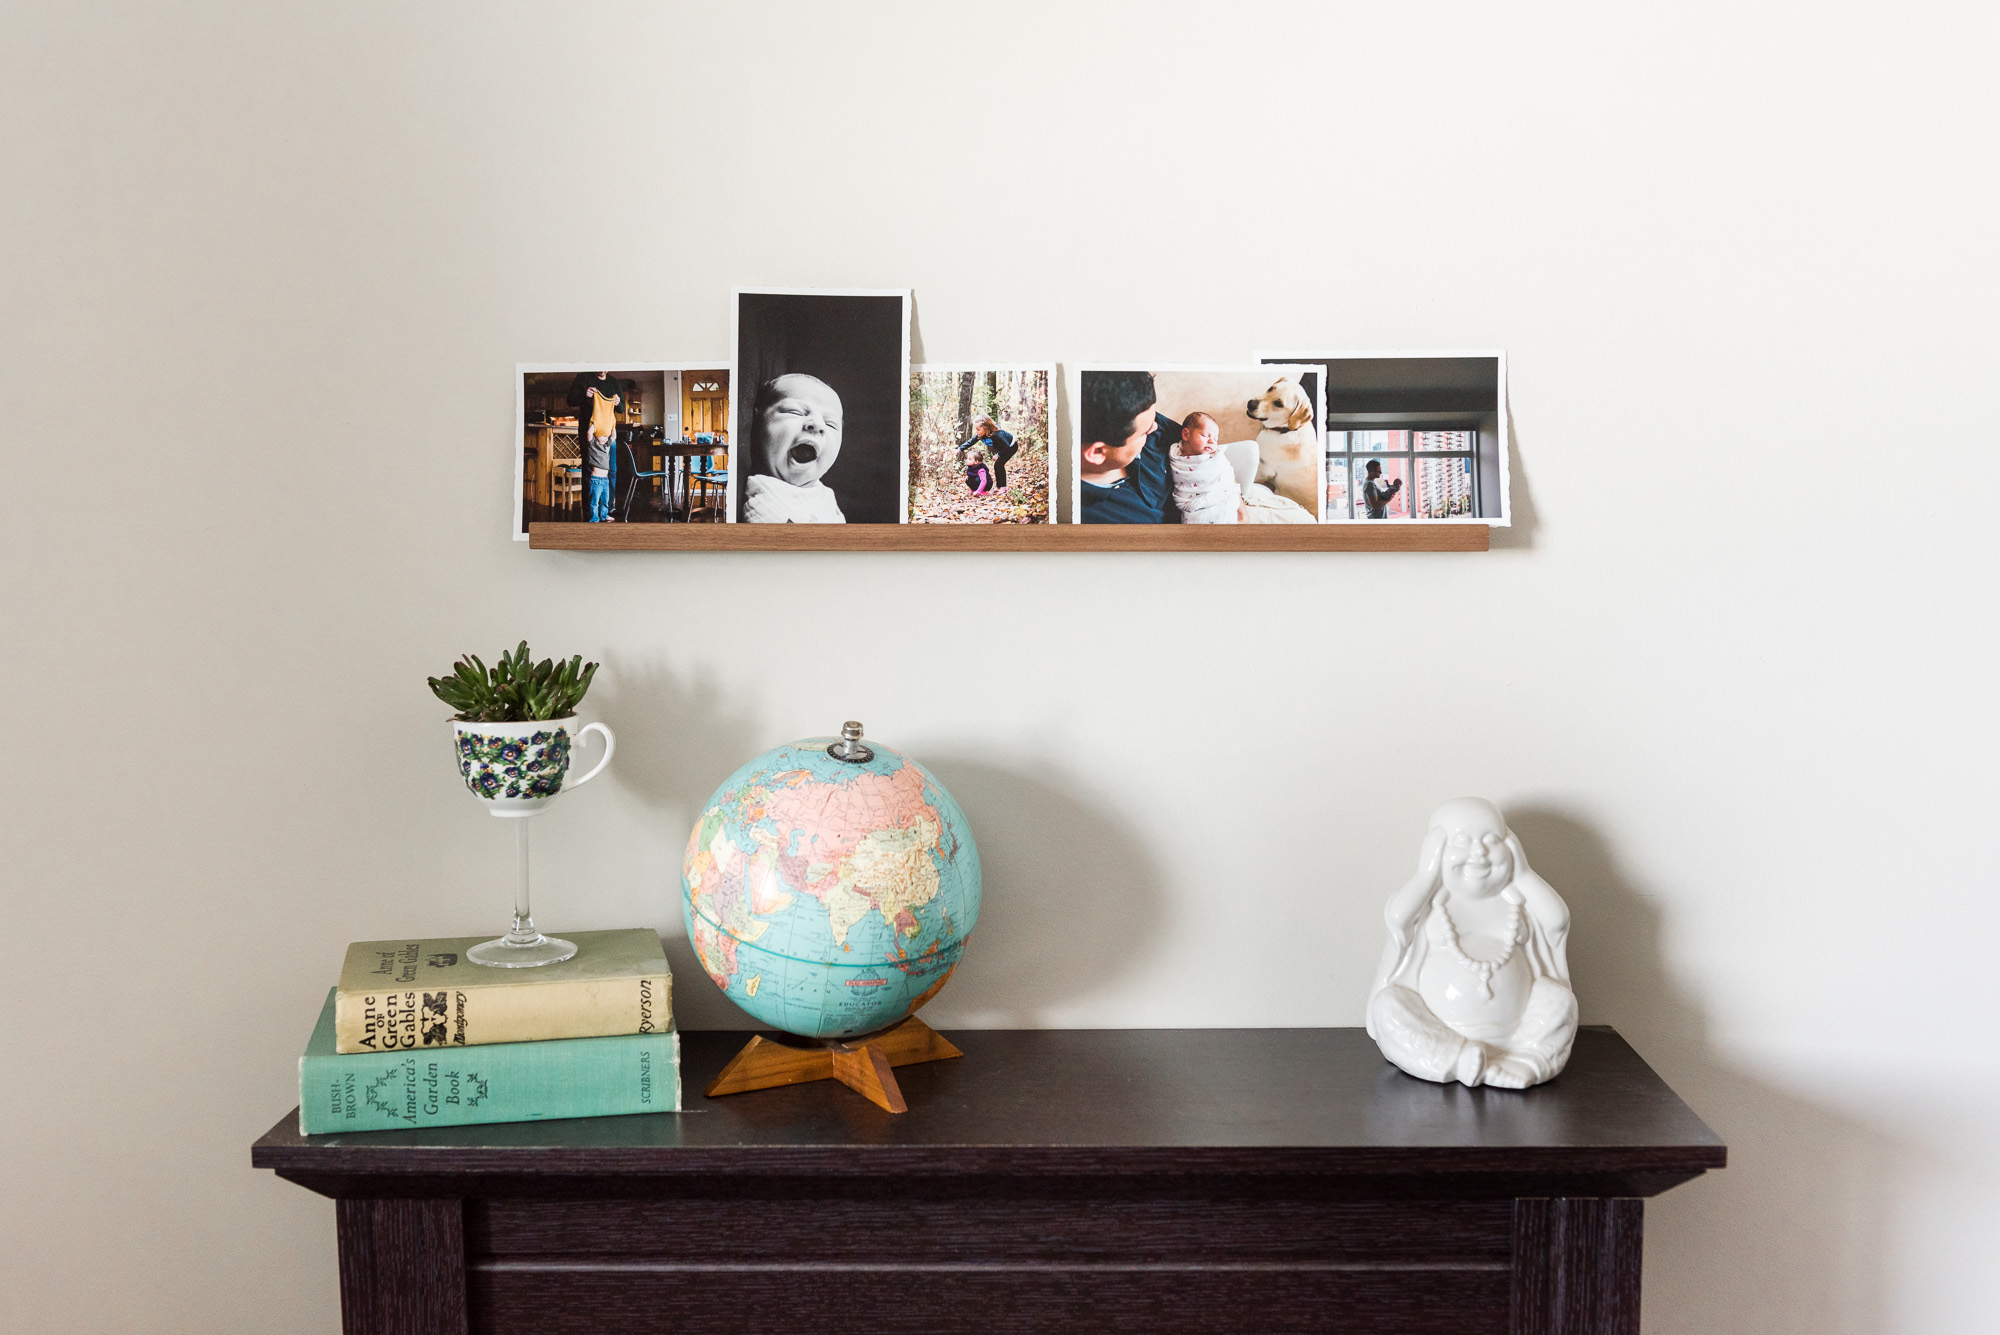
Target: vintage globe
(830, 886)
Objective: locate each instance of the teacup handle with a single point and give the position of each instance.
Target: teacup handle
(610, 745)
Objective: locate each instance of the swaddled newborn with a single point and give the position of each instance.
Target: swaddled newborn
(771, 500)
(1205, 486)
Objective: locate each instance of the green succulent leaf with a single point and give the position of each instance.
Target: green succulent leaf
(516, 689)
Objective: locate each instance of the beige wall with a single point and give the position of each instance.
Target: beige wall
(1730, 672)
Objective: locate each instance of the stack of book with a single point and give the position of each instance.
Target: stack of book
(416, 1035)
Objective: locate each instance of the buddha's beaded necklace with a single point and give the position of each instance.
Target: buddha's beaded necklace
(1484, 969)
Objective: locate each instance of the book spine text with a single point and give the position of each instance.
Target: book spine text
(417, 1020)
(518, 1082)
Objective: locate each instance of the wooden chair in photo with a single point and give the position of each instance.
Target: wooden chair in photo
(565, 469)
(566, 487)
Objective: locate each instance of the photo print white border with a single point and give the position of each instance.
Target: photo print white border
(522, 370)
(739, 449)
(1047, 368)
(1073, 456)
(1503, 431)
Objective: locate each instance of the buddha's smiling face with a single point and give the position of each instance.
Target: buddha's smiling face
(1476, 861)
(800, 429)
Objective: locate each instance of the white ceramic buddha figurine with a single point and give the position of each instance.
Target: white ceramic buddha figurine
(1474, 983)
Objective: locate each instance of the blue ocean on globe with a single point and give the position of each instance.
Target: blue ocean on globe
(830, 898)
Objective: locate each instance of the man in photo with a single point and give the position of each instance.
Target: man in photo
(1375, 494)
(1123, 471)
(1000, 447)
(795, 424)
(596, 399)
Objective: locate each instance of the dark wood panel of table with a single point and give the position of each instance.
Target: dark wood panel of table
(1132, 1180)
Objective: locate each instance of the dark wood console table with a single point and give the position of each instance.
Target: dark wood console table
(1154, 1181)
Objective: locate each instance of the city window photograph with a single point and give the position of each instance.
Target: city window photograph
(1413, 436)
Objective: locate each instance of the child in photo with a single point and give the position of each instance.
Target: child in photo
(1205, 486)
(1001, 445)
(796, 420)
(978, 473)
(598, 400)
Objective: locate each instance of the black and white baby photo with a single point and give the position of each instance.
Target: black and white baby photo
(822, 403)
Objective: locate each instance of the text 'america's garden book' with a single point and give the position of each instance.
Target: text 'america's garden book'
(494, 1082)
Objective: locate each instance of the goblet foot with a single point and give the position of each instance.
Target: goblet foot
(509, 953)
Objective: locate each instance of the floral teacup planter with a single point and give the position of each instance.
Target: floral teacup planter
(518, 768)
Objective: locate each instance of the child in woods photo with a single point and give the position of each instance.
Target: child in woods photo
(997, 444)
(978, 447)
(978, 477)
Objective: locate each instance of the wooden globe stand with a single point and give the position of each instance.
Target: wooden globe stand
(862, 1064)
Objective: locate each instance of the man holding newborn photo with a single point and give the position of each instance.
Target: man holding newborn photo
(1136, 465)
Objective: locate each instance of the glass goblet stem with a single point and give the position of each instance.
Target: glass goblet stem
(524, 933)
(524, 947)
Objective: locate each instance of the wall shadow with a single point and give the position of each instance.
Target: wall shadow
(679, 737)
(1070, 900)
(687, 737)
(1520, 500)
(1789, 1237)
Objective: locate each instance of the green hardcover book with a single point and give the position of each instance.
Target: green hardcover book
(426, 995)
(494, 1082)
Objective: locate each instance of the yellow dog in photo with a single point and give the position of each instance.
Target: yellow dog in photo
(1287, 443)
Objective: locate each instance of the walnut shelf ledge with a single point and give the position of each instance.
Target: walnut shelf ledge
(1009, 537)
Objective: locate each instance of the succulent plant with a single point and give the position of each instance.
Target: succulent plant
(514, 690)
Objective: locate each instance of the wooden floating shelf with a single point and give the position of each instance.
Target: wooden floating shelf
(1389, 537)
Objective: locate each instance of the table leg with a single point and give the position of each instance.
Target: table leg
(402, 1267)
(1576, 1266)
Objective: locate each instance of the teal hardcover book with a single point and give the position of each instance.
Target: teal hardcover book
(493, 1082)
